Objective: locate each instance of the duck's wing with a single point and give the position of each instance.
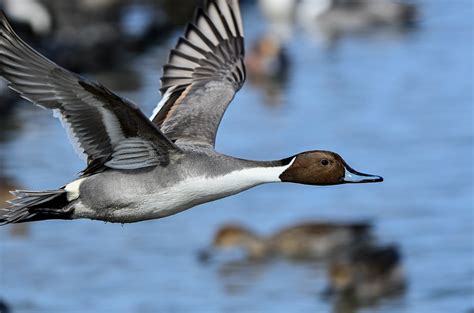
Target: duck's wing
(109, 130)
(204, 71)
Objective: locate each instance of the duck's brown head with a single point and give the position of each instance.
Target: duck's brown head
(232, 235)
(236, 236)
(323, 168)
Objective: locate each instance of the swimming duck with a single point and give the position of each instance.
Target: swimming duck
(138, 168)
(310, 240)
(366, 274)
(351, 15)
(340, 16)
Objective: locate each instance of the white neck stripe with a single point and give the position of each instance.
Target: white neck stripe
(262, 175)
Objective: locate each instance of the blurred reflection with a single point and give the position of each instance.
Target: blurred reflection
(268, 67)
(365, 275)
(236, 271)
(239, 276)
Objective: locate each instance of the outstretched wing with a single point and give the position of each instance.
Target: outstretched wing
(204, 71)
(109, 130)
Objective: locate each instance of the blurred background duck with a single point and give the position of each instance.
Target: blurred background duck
(340, 17)
(312, 240)
(114, 29)
(366, 274)
(4, 307)
(337, 17)
(7, 184)
(268, 65)
(32, 18)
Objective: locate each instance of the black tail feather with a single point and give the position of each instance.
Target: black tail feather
(34, 206)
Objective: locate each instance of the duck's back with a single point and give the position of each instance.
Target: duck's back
(318, 240)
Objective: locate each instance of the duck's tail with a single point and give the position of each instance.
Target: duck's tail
(31, 206)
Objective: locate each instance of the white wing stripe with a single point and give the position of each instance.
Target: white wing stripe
(188, 50)
(224, 8)
(215, 17)
(180, 61)
(71, 135)
(238, 17)
(197, 40)
(112, 126)
(162, 102)
(206, 29)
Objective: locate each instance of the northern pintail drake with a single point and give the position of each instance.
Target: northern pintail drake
(366, 274)
(310, 240)
(139, 168)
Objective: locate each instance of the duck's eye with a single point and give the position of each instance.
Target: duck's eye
(324, 162)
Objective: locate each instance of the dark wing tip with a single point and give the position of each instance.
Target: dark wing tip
(5, 25)
(211, 49)
(215, 35)
(3, 16)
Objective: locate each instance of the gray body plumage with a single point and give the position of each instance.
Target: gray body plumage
(149, 193)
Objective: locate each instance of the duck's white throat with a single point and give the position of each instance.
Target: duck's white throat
(197, 190)
(236, 181)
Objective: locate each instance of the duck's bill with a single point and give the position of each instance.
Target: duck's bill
(206, 255)
(354, 177)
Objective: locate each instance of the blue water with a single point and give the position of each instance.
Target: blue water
(397, 105)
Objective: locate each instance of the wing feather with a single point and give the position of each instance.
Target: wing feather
(207, 59)
(99, 123)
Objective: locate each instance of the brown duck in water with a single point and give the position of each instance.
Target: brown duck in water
(366, 274)
(311, 240)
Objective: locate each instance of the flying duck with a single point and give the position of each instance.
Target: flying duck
(141, 168)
